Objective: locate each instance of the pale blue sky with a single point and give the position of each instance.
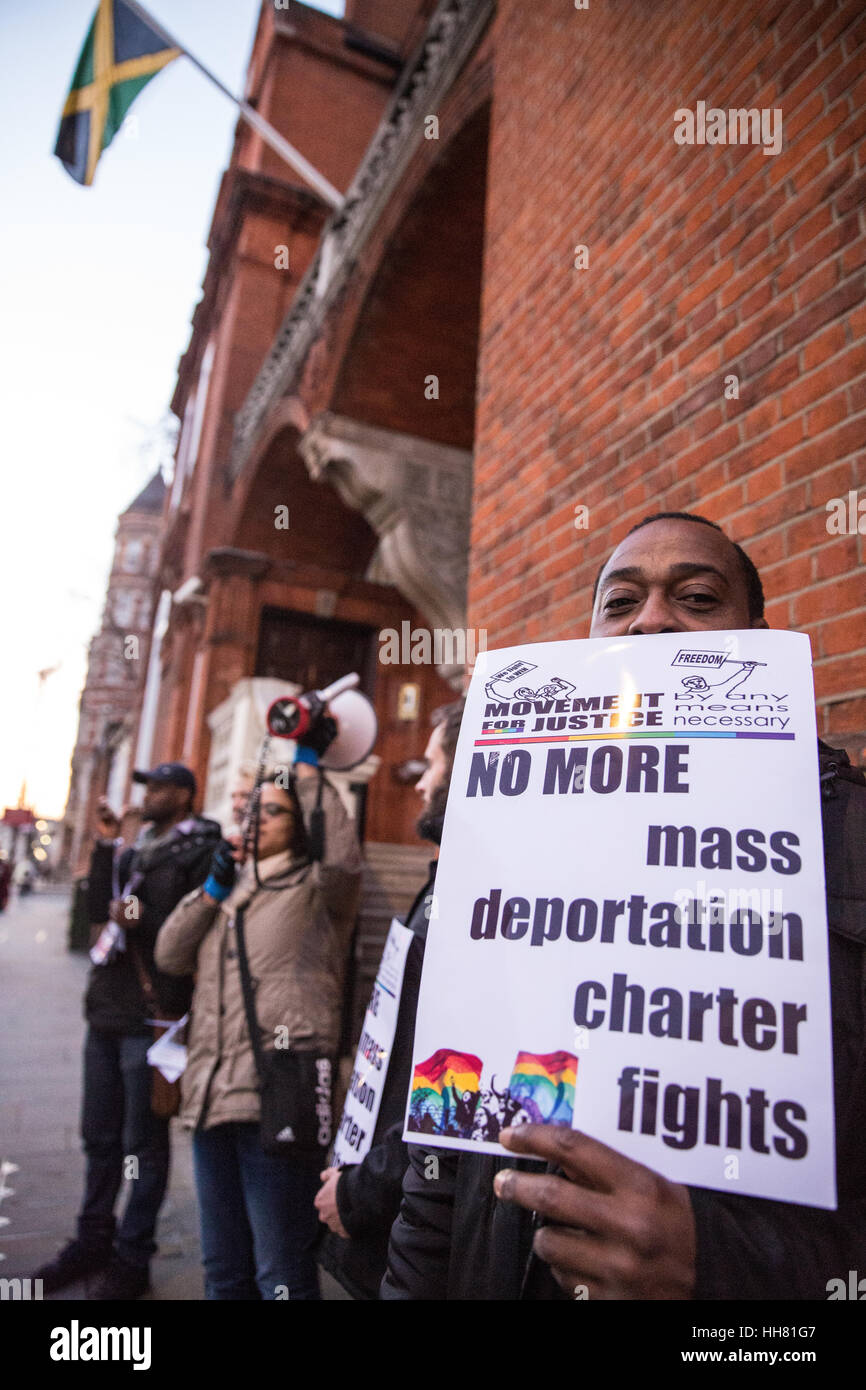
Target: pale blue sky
(97, 289)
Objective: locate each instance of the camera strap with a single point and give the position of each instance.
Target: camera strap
(317, 823)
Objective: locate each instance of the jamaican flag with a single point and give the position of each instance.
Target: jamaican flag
(120, 55)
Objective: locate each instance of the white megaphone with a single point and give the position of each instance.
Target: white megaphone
(292, 716)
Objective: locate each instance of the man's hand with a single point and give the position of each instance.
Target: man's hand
(125, 911)
(130, 824)
(616, 1227)
(107, 823)
(326, 1202)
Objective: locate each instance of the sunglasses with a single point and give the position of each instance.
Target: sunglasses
(272, 810)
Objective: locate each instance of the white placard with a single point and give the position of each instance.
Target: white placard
(364, 1096)
(632, 933)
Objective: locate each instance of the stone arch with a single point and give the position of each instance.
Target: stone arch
(322, 532)
(420, 310)
(393, 447)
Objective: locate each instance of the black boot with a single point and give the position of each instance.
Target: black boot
(75, 1261)
(121, 1282)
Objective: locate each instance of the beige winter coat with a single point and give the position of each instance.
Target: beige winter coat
(297, 938)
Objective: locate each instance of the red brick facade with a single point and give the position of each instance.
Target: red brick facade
(606, 386)
(328, 98)
(116, 666)
(709, 357)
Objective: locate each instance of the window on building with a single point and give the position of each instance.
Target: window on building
(124, 608)
(191, 427)
(133, 554)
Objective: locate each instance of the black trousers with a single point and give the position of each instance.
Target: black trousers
(122, 1139)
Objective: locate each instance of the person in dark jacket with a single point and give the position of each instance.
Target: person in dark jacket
(359, 1203)
(598, 1224)
(131, 892)
(5, 880)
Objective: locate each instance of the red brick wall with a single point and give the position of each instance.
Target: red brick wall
(327, 102)
(387, 20)
(363, 368)
(605, 386)
(420, 313)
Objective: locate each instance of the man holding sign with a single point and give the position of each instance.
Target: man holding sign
(699, 1034)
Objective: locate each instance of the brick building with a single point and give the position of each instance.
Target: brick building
(533, 299)
(606, 387)
(117, 660)
(281, 578)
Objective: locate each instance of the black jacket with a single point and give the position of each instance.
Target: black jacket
(369, 1193)
(114, 1000)
(454, 1240)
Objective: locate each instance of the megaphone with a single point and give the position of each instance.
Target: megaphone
(294, 716)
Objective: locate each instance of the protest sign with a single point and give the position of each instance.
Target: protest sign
(631, 932)
(367, 1082)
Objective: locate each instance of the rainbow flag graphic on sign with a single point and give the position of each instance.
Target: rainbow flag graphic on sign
(445, 1091)
(543, 1085)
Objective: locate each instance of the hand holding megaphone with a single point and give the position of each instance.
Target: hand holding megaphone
(338, 723)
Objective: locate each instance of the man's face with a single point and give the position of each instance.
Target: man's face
(436, 770)
(672, 576)
(432, 787)
(241, 792)
(163, 800)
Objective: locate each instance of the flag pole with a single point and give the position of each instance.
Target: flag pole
(270, 136)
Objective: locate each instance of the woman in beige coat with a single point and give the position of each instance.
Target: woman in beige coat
(258, 1221)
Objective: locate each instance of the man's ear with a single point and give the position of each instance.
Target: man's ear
(760, 622)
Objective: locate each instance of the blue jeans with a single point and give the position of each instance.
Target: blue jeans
(259, 1227)
(117, 1123)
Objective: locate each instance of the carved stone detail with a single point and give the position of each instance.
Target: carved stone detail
(228, 559)
(417, 497)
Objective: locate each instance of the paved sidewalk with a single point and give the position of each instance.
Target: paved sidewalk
(41, 992)
(41, 989)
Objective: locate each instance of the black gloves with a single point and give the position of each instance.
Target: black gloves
(321, 735)
(223, 872)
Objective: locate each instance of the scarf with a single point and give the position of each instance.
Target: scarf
(275, 866)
